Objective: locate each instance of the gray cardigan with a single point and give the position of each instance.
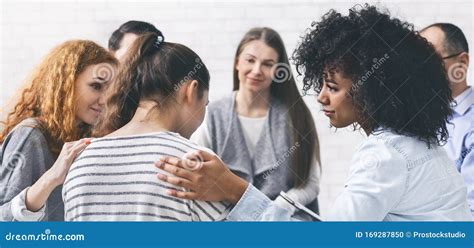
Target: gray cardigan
(270, 168)
(25, 156)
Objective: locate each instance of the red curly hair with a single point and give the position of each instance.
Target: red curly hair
(49, 95)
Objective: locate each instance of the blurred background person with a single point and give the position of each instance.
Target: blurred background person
(122, 38)
(451, 45)
(264, 131)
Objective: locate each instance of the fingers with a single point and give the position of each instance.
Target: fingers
(176, 181)
(72, 144)
(170, 165)
(192, 161)
(205, 155)
(79, 146)
(183, 194)
(171, 161)
(69, 152)
(209, 158)
(68, 145)
(71, 149)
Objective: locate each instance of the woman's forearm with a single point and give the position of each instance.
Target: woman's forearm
(38, 193)
(236, 187)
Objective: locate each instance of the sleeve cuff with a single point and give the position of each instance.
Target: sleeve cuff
(282, 203)
(21, 213)
(250, 207)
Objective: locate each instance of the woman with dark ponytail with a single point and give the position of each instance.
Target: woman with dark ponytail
(157, 101)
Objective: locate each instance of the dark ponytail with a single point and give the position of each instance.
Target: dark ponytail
(152, 70)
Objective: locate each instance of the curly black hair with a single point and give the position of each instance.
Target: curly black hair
(399, 81)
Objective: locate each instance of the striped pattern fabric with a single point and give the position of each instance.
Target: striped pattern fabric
(114, 179)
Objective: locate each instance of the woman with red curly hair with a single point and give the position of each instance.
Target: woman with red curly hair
(61, 102)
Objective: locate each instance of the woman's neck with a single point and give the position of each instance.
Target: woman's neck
(458, 89)
(147, 119)
(252, 104)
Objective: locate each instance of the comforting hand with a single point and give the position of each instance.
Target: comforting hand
(205, 177)
(60, 168)
(39, 192)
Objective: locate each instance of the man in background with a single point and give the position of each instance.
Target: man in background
(126, 34)
(451, 44)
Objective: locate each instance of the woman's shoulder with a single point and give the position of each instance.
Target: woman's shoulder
(222, 103)
(377, 156)
(402, 142)
(141, 141)
(28, 141)
(390, 146)
(29, 130)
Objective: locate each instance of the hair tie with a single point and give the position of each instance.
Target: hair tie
(159, 40)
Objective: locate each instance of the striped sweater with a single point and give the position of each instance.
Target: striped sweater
(114, 179)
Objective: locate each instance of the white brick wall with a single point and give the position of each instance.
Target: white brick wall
(29, 29)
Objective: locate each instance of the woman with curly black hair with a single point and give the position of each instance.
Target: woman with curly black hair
(374, 72)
